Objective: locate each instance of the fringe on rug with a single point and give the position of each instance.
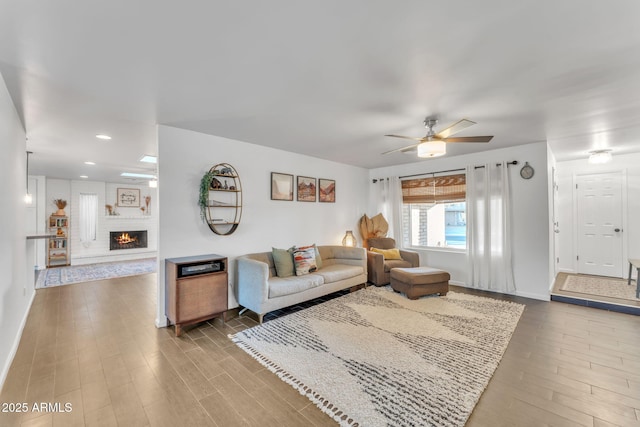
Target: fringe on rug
(323, 404)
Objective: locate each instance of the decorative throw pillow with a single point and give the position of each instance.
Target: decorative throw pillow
(388, 253)
(283, 260)
(305, 260)
(318, 257)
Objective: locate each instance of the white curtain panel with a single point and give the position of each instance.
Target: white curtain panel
(88, 217)
(489, 228)
(388, 201)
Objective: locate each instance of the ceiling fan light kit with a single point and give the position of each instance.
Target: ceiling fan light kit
(432, 149)
(434, 144)
(599, 157)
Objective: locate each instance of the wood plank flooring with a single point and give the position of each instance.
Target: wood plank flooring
(94, 345)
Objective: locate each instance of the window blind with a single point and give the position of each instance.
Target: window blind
(439, 189)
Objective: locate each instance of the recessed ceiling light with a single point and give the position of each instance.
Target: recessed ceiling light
(149, 159)
(103, 136)
(90, 163)
(137, 175)
(84, 176)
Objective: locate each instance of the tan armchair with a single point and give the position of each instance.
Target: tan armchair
(379, 269)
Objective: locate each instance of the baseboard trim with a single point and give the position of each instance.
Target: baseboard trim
(540, 297)
(16, 343)
(162, 322)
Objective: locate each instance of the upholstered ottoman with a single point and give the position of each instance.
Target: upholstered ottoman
(419, 281)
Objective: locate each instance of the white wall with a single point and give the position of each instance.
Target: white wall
(530, 210)
(184, 156)
(16, 280)
(128, 219)
(629, 165)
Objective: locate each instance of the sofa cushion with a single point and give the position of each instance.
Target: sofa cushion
(283, 261)
(336, 272)
(395, 263)
(282, 286)
(305, 260)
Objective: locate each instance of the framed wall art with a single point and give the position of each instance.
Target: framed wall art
(281, 186)
(128, 197)
(306, 189)
(327, 190)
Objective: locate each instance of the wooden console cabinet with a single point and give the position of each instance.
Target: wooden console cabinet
(196, 289)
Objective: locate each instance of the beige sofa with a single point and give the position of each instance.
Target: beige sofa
(262, 291)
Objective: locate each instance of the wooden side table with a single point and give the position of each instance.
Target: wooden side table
(635, 263)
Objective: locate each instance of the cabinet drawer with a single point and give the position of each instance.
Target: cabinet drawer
(201, 296)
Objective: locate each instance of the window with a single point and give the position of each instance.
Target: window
(434, 212)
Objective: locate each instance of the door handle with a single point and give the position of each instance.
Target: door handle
(617, 230)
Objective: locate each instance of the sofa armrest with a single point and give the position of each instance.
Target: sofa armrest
(375, 267)
(411, 256)
(253, 283)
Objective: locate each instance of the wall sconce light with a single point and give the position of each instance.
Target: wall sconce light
(28, 198)
(349, 239)
(598, 157)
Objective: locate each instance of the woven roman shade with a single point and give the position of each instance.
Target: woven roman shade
(439, 189)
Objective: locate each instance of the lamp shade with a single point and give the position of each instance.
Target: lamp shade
(349, 239)
(432, 149)
(599, 157)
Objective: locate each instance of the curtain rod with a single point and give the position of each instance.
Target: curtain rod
(514, 162)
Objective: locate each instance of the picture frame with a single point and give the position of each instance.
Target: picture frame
(326, 190)
(281, 186)
(306, 189)
(128, 197)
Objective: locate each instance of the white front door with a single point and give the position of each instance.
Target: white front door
(599, 224)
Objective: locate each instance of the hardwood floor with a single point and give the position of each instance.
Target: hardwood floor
(95, 346)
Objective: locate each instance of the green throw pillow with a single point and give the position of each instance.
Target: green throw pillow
(283, 260)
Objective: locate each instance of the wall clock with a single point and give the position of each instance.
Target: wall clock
(527, 171)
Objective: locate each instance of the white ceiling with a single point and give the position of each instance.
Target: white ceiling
(325, 78)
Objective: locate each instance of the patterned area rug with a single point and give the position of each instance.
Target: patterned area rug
(374, 357)
(603, 286)
(85, 273)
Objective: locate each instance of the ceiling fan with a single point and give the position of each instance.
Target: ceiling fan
(434, 144)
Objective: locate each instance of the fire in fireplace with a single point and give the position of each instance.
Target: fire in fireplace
(127, 239)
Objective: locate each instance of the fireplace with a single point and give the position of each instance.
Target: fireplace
(127, 239)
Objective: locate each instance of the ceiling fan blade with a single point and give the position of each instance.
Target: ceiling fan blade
(407, 148)
(455, 128)
(407, 137)
(469, 139)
